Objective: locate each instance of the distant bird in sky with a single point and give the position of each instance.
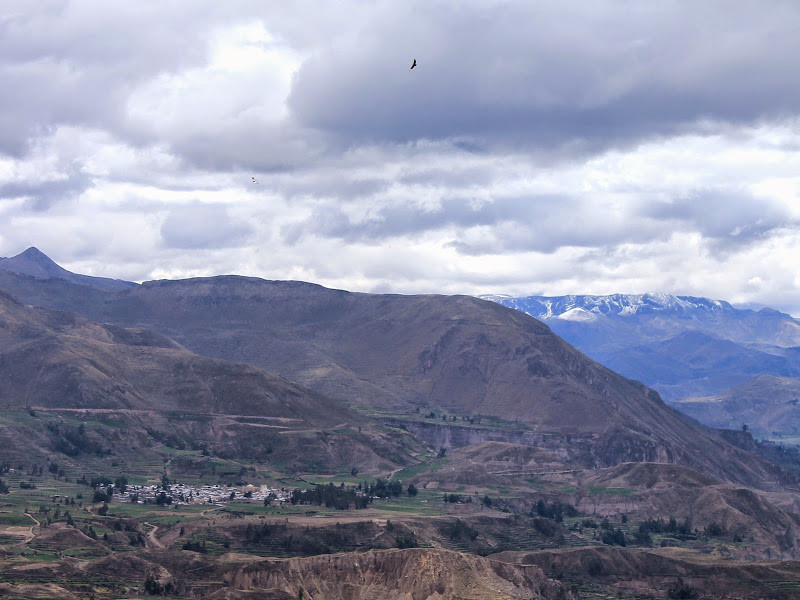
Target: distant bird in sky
(414, 64)
(254, 179)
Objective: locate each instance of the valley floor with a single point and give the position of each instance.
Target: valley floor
(447, 541)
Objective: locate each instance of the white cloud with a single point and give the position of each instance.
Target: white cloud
(245, 80)
(540, 147)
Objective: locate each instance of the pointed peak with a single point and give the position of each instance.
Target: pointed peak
(34, 254)
(35, 263)
(32, 262)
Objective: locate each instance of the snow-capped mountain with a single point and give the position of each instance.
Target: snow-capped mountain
(680, 345)
(565, 307)
(641, 318)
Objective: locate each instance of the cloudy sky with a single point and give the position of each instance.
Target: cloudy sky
(539, 147)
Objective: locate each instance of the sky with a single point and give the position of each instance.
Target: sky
(538, 147)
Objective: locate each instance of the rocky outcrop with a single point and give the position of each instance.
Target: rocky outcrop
(413, 574)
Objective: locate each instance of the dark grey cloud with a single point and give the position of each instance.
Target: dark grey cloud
(727, 218)
(560, 77)
(542, 224)
(544, 75)
(41, 195)
(204, 226)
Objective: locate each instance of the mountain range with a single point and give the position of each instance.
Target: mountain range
(396, 355)
(496, 436)
(387, 350)
(682, 346)
(767, 405)
(607, 323)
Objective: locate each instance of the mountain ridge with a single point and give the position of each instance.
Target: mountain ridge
(61, 363)
(35, 263)
(456, 355)
(659, 338)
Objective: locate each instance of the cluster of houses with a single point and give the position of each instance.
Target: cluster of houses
(207, 494)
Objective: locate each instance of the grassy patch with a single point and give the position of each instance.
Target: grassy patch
(433, 465)
(15, 519)
(610, 491)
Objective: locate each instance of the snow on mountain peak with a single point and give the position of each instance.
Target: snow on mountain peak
(577, 314)
(587, 308)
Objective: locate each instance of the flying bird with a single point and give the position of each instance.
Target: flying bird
(414, 64)
(254, 179)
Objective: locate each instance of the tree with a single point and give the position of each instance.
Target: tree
(395, 488)
(412, 489)
(101, 495)
(151, 586)
(715, 529)
(614, 537)
(682, 591)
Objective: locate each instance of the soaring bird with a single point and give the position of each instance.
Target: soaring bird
(414, 64)
(254, 179)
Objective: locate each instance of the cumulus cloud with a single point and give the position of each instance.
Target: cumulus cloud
(538, 147)
(726, 217)
(540, 223)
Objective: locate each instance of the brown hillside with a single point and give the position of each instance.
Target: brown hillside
(61, 535)
(61, 363)
(56, 359)
(461, 353)
(397, 353)
(768, 530)
(391, 574)
(649, 574)
(374, 575)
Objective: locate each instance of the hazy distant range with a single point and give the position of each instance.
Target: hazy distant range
(728, 367)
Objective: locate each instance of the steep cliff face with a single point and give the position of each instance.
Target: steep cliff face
(414, 574)
(411, 574)
(614, 445)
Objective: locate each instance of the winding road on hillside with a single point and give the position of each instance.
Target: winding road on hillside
(153, 541)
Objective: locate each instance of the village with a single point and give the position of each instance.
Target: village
(180, 494)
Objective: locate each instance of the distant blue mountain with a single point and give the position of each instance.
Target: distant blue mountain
(682, 346)
(35, 263)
